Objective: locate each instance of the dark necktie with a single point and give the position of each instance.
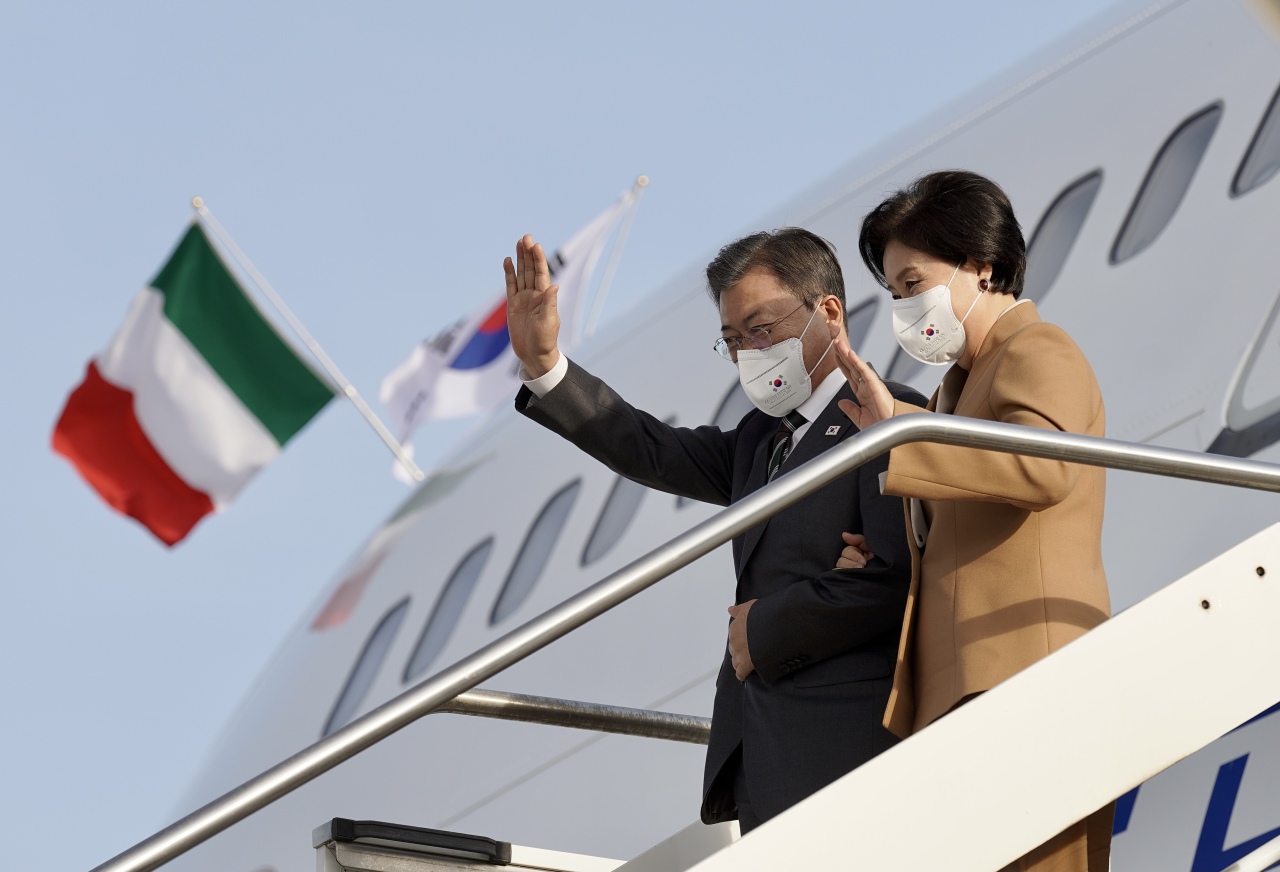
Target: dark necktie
(782, 441)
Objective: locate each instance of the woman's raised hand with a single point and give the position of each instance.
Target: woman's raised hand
(532, 317)
(875, 403)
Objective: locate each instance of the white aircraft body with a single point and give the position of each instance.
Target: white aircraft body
(1140, 158)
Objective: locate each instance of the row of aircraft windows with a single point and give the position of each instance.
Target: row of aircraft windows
(1162, 190)
(619, 510)
(1158, 198)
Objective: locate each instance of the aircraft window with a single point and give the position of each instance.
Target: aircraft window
(1262, 160)
(616, 516)
(366, 668)
(1056, 233)
(1166, 183)
(535, 552)
(859, 321)
(449, 606)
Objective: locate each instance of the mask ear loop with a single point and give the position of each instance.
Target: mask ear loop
(824, 355)
(808, 323)
(829, 344)
(975, 299)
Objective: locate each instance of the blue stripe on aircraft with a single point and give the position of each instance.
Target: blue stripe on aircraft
(1212, 853)
(1253, 720)
(1124, 811)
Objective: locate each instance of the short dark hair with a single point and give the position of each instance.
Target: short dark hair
(804, 263)
(953, 215)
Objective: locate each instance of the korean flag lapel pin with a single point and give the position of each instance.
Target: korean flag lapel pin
(833, 430)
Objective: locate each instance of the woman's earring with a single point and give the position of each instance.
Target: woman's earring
(984, 284)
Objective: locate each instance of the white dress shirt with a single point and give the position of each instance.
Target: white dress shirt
(811, 408)
(542, 385)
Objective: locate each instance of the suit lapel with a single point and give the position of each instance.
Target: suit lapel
(756, 480)
(932, 405)
(946, 398)
(815, 439)
(815, 442)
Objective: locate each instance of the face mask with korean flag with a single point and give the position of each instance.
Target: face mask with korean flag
(926, 326)
(774, 378)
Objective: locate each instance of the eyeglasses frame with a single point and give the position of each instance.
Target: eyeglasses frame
(722, 346)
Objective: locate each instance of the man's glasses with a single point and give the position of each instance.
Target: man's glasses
(758, 337)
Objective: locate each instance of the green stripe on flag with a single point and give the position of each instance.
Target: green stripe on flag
(207, 304)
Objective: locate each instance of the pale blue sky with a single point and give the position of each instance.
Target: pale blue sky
(377, 161)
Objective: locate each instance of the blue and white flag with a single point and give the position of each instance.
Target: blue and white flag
(469, 368)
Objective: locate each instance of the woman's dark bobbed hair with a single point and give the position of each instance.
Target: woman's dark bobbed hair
(953, 215)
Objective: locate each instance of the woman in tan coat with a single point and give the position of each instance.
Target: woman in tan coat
(1007, 550)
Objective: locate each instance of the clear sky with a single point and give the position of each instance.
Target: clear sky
(377, 161)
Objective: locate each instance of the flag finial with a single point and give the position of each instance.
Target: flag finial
(642, 181)
(197, 202)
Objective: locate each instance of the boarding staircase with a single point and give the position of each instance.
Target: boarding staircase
(1006, 772)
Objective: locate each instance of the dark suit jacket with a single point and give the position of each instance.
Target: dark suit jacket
(824, 641)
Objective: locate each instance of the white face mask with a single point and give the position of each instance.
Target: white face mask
(927, 327)
(774, 378)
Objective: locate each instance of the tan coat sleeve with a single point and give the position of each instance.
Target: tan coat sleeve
(1041, 380)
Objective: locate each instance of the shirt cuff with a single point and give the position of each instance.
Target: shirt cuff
(542, 385)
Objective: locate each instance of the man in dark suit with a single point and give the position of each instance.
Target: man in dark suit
(813, 639)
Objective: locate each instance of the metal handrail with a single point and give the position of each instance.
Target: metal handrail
(576, 715)
(640, 574)
(1258, 859)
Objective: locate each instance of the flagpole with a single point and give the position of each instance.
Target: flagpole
(344, 385)
(614, 256)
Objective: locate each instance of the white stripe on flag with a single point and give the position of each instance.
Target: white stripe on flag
(200, 428)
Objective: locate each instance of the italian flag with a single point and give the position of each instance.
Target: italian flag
(193, 396)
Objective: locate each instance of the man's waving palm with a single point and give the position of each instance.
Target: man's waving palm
(532, 316)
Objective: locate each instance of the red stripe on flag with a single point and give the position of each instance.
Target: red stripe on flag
(100, 435)
(497, 319)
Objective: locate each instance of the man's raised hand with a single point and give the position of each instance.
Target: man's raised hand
(532, 317)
